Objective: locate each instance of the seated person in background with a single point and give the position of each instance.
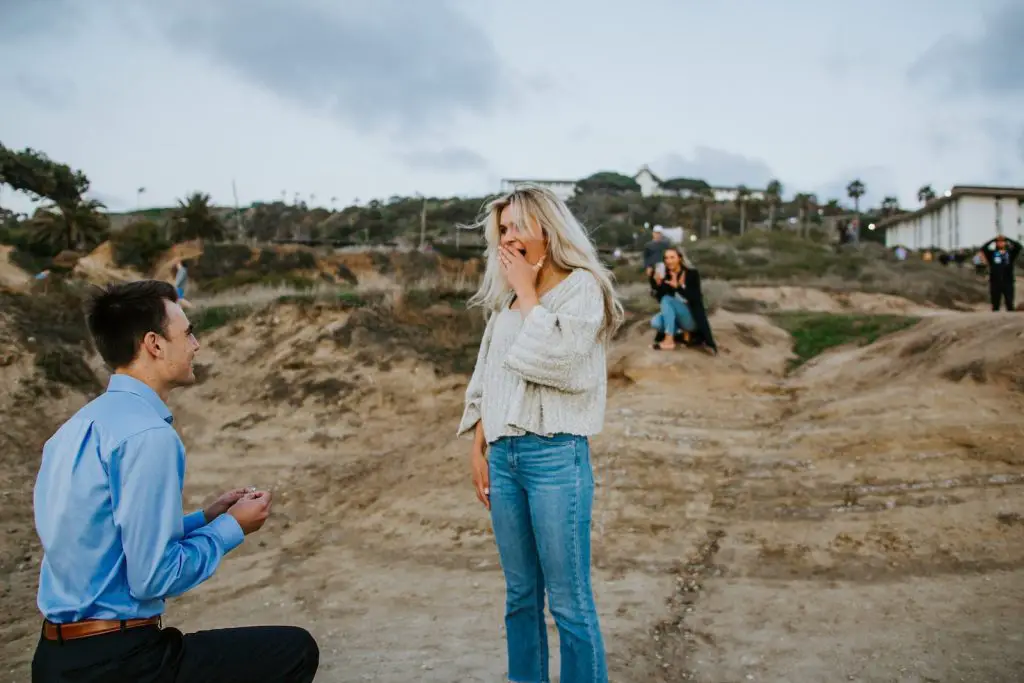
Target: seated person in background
(683, 317)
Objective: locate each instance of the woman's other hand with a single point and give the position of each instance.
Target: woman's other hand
(478, 466)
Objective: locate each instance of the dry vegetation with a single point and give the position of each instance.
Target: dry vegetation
(853, 518)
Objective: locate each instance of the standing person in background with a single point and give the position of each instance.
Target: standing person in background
(1001, 254)
(180, 282)
(654, 250)
(108, 511)
(537, 394)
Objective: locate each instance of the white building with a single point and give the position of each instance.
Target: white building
(964, 218)
(564, 189)
(650, 186)
(653, 186)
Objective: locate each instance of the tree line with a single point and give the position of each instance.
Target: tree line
(609, 204)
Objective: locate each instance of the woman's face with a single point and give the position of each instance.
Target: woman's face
(672, 260)
(527, 240)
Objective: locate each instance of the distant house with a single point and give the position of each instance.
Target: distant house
(650, 186)
(564, 189)
(965, 217)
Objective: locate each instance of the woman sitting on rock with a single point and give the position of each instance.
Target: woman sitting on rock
(683, 318)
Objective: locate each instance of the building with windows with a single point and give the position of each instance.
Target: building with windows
(650, 186)
(564, 189)
(965, 217)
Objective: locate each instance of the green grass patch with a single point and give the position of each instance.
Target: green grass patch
(815, 333)
(250, 278)
(343, 298)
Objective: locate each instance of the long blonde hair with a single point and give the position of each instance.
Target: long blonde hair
(684, 261)
(569, 248)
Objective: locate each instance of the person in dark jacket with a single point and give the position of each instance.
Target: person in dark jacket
(683, 318)
(1001, 254)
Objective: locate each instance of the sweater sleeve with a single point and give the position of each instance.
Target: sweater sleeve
(475, 390)
(551, 343)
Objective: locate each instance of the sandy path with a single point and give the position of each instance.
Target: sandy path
(855, 522)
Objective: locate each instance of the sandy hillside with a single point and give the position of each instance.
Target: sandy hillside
(811, 299)
(11, 276)
(859, 520)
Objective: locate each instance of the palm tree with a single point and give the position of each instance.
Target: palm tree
(925, 194)
(832, 208)
(890, 206)
(706, 201)
(803, 202)
(774, 195)
(77, 225)
(855, 190)
(741, 201)
(193, 219)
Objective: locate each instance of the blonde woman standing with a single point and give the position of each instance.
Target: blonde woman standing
(537, 393)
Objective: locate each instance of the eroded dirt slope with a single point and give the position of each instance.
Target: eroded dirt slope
(860, 520)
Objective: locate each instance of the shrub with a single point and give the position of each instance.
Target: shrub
(139, 245)
(815, 333)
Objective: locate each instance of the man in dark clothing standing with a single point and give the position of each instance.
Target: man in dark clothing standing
(1001, 254)
(654, 251)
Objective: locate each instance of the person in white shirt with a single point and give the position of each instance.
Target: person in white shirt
(537, 394)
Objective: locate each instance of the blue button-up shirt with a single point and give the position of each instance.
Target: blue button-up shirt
(108, 511)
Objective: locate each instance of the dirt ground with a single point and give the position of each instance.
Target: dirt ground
(860, 520)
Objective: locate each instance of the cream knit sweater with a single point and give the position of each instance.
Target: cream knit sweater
(544, 374)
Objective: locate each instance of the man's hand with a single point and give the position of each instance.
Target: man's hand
(223, 502)
(251, 511)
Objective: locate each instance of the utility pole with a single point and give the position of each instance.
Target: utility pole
(423, 224)
(238, 212)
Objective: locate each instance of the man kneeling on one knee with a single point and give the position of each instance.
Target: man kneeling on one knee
(108, 510)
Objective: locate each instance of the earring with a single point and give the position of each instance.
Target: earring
(538, 264)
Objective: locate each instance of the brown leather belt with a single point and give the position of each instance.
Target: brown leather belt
(93, 627)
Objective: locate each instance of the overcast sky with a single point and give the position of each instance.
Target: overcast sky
(363, 99)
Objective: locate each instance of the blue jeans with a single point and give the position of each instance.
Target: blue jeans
(675, 317)
(542, 491)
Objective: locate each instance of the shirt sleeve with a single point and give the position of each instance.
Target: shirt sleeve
(1014, 248)
(193, 521)
(552, 343)
(147, 475)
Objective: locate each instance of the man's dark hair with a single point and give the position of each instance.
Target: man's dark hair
(121, 315)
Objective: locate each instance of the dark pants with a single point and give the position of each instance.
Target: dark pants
(148, 654)
(1001, 291)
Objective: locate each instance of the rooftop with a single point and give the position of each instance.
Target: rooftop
(954, 192)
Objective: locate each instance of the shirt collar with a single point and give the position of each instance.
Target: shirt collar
(131, 385)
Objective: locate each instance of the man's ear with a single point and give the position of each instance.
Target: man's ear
(152, 344)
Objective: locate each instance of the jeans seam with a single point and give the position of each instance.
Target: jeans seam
(541, 626)
(578, 560)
